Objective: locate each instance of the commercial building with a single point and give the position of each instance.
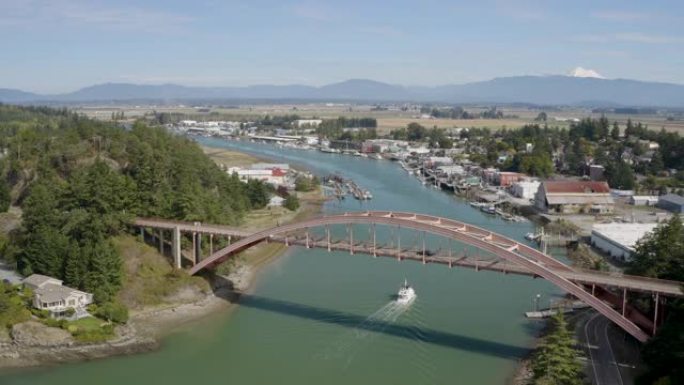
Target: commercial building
(574, 197)
(49, 294)
(671, 202)
(506, 178)
(618, 239)
(274, 176)
(526, 189)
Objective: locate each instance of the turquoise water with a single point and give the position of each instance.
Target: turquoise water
(326, 318)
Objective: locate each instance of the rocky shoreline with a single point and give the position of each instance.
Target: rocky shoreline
(33, 344)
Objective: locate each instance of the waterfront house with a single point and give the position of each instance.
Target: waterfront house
(49, 294)
(574, 197)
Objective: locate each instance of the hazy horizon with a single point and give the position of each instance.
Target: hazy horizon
(63, 45)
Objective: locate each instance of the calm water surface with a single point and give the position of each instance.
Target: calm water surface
(327, 318)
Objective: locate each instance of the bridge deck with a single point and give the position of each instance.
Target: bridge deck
(586, 277)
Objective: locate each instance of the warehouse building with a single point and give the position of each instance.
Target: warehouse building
(618, 239)
(672, 203)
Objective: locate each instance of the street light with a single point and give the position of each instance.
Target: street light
(536, 302)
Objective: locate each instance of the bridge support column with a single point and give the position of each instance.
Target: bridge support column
(624, 301)
(211, 244)
(161, 241)
(142, 234)
(307, 240)
(194, 248)
(351, 240)
(399, 244)
(423, 235)
(198, 251)
(375, 254)
(327, 236)
(655, 314)
(176, 247)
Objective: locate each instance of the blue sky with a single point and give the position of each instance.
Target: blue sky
(62, 45)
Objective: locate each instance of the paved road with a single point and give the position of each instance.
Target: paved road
(611, 357)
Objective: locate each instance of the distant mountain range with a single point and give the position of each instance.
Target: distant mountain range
(541, 90)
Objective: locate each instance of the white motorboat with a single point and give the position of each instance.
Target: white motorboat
(406, 294)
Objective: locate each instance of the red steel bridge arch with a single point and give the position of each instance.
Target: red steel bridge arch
(505, 248)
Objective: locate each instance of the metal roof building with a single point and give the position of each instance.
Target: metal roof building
(671, 202)
(569, 197)
(618, 239)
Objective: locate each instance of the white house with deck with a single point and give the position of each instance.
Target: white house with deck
(49, 294)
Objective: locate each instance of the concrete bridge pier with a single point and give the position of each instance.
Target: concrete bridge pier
(198, 249)
(176, 247)
(211, 244)
(161, 242)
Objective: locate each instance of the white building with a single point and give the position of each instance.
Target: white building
(276, 176)
(618, 239)
(643, 200)
(276, 201)
(525, 189)
(308, 122)
(50, 295)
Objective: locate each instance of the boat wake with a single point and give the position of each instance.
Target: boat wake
(345, 347)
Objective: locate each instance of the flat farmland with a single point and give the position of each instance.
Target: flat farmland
(385, 125)
(388, 120)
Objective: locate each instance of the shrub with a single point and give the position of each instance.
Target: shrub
(40, 313)
(291, 203)
(113, 311)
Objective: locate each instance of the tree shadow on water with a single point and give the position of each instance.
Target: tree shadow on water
(436, 337)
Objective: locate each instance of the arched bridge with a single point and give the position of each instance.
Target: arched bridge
(605, 292)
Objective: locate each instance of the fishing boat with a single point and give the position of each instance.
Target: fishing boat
(488, 209)
(406, 294)
(477, 204)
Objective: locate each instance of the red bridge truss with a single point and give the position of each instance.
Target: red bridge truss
(591, 287)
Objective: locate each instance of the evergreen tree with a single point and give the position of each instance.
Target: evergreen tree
(660, 254)
(5, 197)
(556, 360)
(615, 131)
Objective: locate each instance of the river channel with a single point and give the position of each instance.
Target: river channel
(315, 317)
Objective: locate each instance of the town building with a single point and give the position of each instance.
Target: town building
(307, 122)
(275, 176)
(574, 197)
(671, 202)
(49, 294)
(596, 172)
(525, 189)
(643, 200)
(507, 178)
(618, 239)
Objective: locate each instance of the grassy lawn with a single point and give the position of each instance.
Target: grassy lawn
(90, 329)
(228, 158)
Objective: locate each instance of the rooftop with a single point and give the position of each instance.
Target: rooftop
(625, 234)
(674, 198)
(38, 280)
(54, 293)
(576, 187)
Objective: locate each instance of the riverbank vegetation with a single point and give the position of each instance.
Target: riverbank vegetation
(556, 360)
(79, 181)
(661, 255)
